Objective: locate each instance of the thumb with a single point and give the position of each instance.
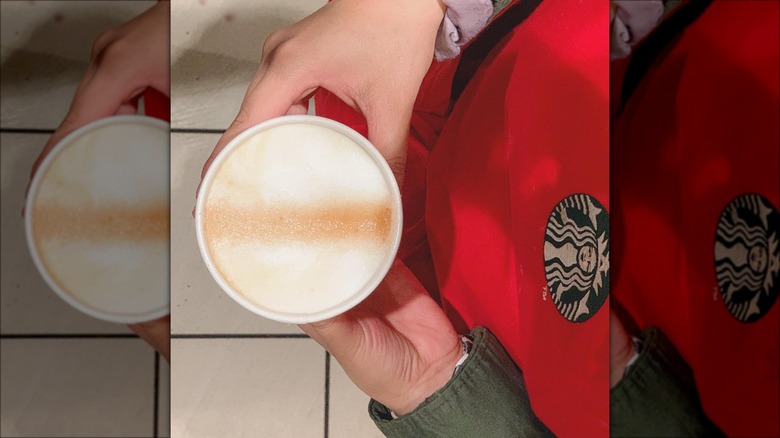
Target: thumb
(333, 334)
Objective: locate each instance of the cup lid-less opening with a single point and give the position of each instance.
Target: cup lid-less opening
(373, 281)
(142, 122)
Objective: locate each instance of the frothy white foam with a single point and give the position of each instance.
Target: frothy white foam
(100, 218)
(119, 164)
(298, 218)
(297, 164)
(117, 277)
(297, 277)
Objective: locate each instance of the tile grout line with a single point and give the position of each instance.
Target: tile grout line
(327, 393)
(26, 131)
(156, 392)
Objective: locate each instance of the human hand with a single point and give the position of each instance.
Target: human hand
(156, 333)
(397, 345)
(372, 54)
(124, 62)
(620, 349)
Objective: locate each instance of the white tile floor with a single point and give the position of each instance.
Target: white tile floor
(77, 387)
(215, 51)
(234, 373)
(63, 373)
(199, 306)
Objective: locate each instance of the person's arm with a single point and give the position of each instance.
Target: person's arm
(486, 397)
(400, 349)
(372, 54)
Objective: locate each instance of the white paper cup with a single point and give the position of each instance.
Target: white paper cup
(96, 219)
(280, 292)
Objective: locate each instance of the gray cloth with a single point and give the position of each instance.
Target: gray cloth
(463, 20)
(632, 21)
(486, 398)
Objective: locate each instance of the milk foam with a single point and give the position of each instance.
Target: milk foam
(299, 277)
(119, 277)
(100, 218)
(298, 218)
(118, 164)
(298, 164)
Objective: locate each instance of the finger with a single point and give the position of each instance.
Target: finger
(298, 109)
(129, 108)
(126, 109)
(388, 130)
(332, 333)
(156, 333)
(301, 106)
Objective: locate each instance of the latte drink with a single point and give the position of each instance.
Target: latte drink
(97, 219)
(299, 219)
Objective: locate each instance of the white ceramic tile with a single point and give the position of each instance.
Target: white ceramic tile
(164, 399)
(44, 52)
(76, 387)
(197, 302)
(247, 388)
(348, 408)
(215, 51)
(27, 304)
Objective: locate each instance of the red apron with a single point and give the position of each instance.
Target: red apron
(696, 182)
(511, 190)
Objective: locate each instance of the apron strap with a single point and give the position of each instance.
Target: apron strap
(476, 52)
(655, 45)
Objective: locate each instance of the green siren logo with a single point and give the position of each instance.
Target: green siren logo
(576, 256)
(747, 259)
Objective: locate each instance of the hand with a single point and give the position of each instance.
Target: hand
(397, 345)
(372, 54)
(620, 349)
(125, 61)
(156, 333)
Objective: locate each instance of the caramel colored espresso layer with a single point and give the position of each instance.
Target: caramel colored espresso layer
(101, 224)
(372, 222)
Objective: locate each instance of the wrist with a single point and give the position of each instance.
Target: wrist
(434, 378)
(618, 361)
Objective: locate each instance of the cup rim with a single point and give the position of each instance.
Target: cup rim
(29, 208)
(374, 280)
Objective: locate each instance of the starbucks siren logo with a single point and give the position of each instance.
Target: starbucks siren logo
(576, 256)
(747, 259)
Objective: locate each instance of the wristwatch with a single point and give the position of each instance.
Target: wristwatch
(466, 342)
